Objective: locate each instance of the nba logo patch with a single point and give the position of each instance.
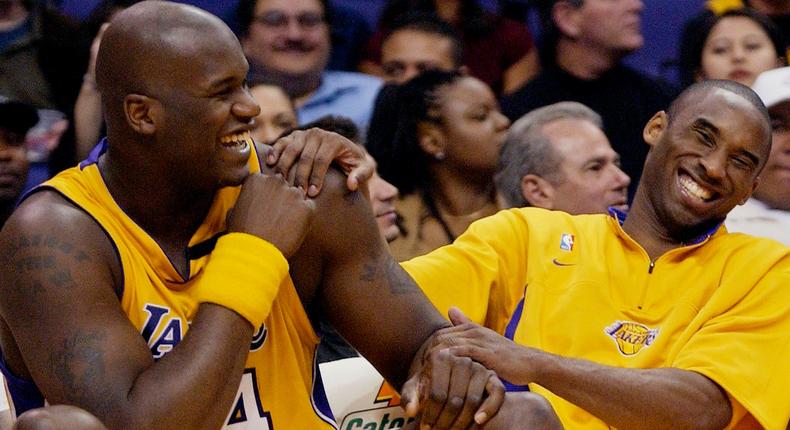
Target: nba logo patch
(566, 242)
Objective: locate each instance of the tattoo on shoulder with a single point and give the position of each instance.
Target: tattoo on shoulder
(38, 262)
(78, 364)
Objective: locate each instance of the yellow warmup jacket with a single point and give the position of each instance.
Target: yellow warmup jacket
(579, 286)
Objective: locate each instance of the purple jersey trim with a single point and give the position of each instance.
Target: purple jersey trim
(620, 217)
(319, 399)
(95, 153)
(510, 332)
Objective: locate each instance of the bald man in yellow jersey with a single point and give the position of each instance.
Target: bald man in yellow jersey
(660, 319)
(130, 289)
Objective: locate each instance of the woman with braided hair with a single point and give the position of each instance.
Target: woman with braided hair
(437, 138)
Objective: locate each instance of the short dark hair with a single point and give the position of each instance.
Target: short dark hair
(474, 22)
(696, 33)
(429, 23)
(245, 13)
(686, 97)
(17, 117)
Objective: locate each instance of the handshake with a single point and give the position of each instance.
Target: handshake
(453, 386)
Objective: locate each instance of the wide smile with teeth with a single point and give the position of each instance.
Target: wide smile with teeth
(236, 140)
(692, 188)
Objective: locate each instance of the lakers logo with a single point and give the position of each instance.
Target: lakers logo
(631, 337)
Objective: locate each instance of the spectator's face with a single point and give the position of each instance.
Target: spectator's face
(737, 49)
(611, 24)
(473, 128)
(277, 113)
(288, 37)
(590, 176)
(13, 165)
(382, 198)
(704, 161)
(407, 53)
(774, 186)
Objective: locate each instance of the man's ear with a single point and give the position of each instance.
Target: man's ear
(567, 19)
(537, 191)
(655, 128)
(431, 140)
(142, 113)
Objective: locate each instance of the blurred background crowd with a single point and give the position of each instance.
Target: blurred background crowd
(467, 106)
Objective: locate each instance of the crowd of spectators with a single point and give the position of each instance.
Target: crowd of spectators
(467, 108)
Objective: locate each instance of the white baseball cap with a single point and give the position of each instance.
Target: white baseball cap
(773, 86)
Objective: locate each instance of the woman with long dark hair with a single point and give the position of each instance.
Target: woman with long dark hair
(437, 139)
(736, 45)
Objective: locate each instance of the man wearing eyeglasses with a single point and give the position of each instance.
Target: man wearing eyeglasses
(287, 42)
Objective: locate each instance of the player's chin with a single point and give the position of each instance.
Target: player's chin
(234, 177)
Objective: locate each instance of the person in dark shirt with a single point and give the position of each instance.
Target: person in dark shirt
(585, 41)
(496, 50)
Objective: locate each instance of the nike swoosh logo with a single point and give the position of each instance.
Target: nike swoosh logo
(561, 264)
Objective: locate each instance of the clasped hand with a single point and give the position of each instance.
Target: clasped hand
(448, 391)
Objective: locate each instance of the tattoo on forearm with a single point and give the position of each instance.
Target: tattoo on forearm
(353, 198)
(399, 281)
(78, 363)
(384, 269)
(369, 271)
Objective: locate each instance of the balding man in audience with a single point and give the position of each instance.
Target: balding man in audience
(586, 41)
(558, 157)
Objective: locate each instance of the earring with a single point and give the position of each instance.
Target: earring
(439, 156)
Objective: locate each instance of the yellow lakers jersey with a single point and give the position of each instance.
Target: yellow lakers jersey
(280, 388)
(718, 307)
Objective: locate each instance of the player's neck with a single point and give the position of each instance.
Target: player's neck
(644, 226)
(169, 215)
